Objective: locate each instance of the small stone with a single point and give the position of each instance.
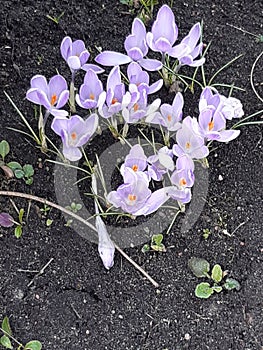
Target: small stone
(87, 332)
(121, 317)
(187, 336)
(220, 178)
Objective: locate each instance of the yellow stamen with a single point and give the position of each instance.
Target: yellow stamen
(92, 96)
(53, 99)
(188, 145)
(169, 117)
(132, 197)
(135, 167)
(211, 125)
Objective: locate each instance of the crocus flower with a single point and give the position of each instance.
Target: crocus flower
(136, 48)
(112, 101)
(136, 159)
(170, 116)
(106, 247)
(89, 91)
(212, 127)
(132, 195)
(164, 33)
(76, 55)
(183, 176)
(160, 163)
(74, 132)
(53, 95)
(141, 78)
(193, 49)
(189, 142)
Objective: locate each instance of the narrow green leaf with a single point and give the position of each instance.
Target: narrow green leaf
(18, 231)
(231, 283)
(28, 170)
(4, 149)
(6, 326)
(217, 273)
(33, 345)
(14, 165)
(203, 290)
(199, 266)
(20, 215)
(5, 341)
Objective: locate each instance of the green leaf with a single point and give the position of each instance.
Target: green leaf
(6, 325)
(199, 266)
(159, 247)
(203, 290)
(217, 273)
(20, 215)
(4, 149)
(5, 341)
(19, 174)
(14, 165)
(18, 231)
(217, 289)
(231, 283)
(146, 248)
(28, 170)
(78, 206)
(33, 345)
(49, 222)
(29, 181)
(157, 239)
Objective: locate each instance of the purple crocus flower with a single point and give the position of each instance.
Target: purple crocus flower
(183, 195)
(141, 78)
(170, 116)
(193, 49)
(89, 91)
(189, 142)
(164, 33)
(74, 132)
(160, 163)
(53, 95)
(136, 159)
(212, 126)
(76, 55)
(132, 195)
(136, 48)
(183, 176)
(114, 99)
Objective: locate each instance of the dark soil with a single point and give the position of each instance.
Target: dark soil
(76, 303)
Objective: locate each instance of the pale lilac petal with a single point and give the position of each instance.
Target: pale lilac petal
(111, 58)
(138, 28)
(78, 47)
(165, 26)
(150, 64)
(155, 86)
(83, 57)
(39, 82)
(183, 195)
(93, 67)
(58, 112)
(57, 85)
(194, 35)
(63, 99)
(163, 44)
(65, 47)
(114, 78)
(154, 202)
(178, 50)
(33, 96)
(228, 135)
(135, 53)
(74, 62)
(71, 153)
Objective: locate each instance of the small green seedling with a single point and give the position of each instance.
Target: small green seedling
(56, 19)
(7, 339)
(200, 268)
(12, 169)
(156, 244)
(206, 233)
(25, 172)
(45, 209)
(74, 207)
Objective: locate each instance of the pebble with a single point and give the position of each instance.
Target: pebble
(187, 336)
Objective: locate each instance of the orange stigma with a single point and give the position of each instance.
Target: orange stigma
(92, 96)
(53, 99)
(73, 135)
(114, 100)
(169, 117)
(132, 197)
(211, 125)
(135, 167)
(136, 107)
(182, 182)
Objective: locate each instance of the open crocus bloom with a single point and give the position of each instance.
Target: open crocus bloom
(90, 91)
(76, 55)
(53, 95)
(136, 159)
(74, 132)
(136, 48)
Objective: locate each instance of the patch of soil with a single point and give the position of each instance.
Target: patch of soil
(76, 303)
